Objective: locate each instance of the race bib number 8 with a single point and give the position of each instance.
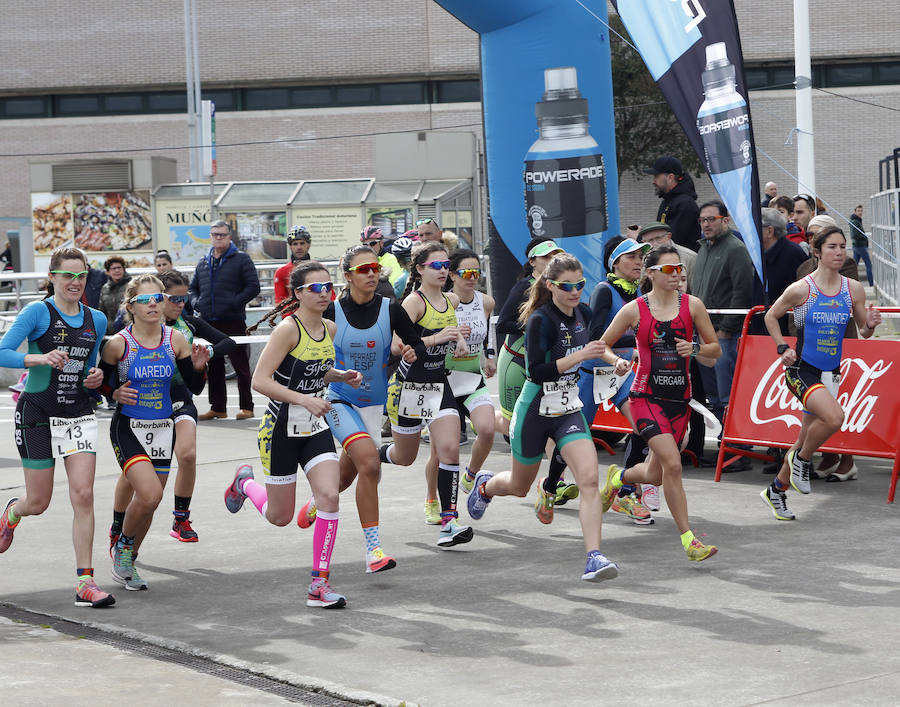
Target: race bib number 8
(420, 401)
(71, 435)
(607, 382)
(302, 423)
(560, 398)
(155, 437)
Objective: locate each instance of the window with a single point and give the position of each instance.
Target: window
(355, 95)
(889, 72)
(458, 91)
(311, 97)
(849, 74)
(25, 107)
(170, 102)
(123, 103)
(757, 78)
(266, 98)
(401, 93)
(224, 100)
(77, 105)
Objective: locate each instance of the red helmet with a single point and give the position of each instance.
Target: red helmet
(371, 233)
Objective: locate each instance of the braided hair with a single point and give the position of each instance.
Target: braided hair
(419, 255)
(290, 304)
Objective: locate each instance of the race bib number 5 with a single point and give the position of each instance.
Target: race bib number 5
(155, 437)
(302, 423)
(71, 435)
(420, 401)
(559, 398)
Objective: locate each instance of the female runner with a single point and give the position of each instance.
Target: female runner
(293, 370)
(366, 325)
(556, 343)
(419, 392)
(663, 321)
(54, 414)
(812, 367)
(464, 373)
(185, 413)
(146, 356)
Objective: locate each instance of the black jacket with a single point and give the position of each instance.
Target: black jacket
(222, 287)
(782, 259)
(96, 279)
(678, 209)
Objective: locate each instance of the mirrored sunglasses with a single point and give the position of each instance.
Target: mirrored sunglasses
(668, 269)
(177, 299)
(318, 287)
(570, 286)
(469, 273)
(425, 220)
(365, 268)
(372, 244)
(155, 297)
(438, 264)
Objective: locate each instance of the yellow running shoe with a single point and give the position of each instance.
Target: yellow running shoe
(543, 507)
(609, 490)
(698, 552)
(432, 513)
(634, 509)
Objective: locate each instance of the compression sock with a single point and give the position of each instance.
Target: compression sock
(448, 483)
(557, 467)
(256, 492)
(182, 507)
(686, 539)
(384, 453)
(118, 522)
(373, 538)
(323, 541)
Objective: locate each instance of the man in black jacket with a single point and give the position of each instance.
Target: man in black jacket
(224, 281)
(678, 208)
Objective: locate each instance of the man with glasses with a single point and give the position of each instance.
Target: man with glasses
(224, 281)
(390, 267)
(678, 207)
(722, 279)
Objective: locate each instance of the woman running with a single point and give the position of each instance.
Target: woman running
(556, 343)
(54, 414)
(663, 322)
(812, 366)
(184, 415)
(369, 328)
(293, 370)
(419, 393)
(145, 355)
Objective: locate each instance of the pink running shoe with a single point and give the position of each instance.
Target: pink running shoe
(307, 514)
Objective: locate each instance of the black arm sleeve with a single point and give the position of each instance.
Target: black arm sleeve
(194, 379)
(508, 318)
(601, 303)
(222, 343)
(110, 377)
(406, 330)
(536, 349)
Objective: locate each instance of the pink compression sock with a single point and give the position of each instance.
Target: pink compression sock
(256, 492)
(323, 540)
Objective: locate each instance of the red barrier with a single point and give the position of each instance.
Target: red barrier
(761, 410)
(609, 419)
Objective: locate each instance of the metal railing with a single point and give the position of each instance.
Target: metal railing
(885, 244)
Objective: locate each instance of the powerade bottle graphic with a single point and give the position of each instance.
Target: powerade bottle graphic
(565, 179)
(723, 119)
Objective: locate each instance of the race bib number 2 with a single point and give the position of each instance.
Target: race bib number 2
(420, 401)
(155, 436)
(607, 382)
(71, 435)
(559, 398)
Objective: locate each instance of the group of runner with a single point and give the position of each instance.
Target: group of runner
(327, 370)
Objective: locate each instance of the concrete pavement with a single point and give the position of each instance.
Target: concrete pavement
(801, 612)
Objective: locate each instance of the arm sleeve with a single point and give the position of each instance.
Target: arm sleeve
(194, 379)
(402, 324)
(251, 281)
(222, 343)
(508, 318)
(742, 274)
(536, 348)
(601, 304)
(30, 324)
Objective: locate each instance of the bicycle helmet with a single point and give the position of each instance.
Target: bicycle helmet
(371, 233)
(402, 247)
(298, 233)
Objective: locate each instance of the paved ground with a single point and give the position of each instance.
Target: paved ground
(800, 613)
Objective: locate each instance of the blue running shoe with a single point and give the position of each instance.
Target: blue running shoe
(454, 534)
(477, 503)
(322, 595)
(234, 497)
(598, 568)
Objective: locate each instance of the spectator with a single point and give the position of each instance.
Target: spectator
(113, 291)
(678, 208)
(298, 240)
(769, 192)
(429, 230)
(804, 210)
(860, 242)
(401, 249)
(723, 279)
(224, 281)
(781, 256)
(390, 268)
(785, 206)
(658, 234)
(163, 262)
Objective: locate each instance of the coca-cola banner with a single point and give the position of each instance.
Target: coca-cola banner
(693, 51)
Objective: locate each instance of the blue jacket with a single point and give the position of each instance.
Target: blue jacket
(222, 287)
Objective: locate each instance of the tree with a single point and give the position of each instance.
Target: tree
(645, 125)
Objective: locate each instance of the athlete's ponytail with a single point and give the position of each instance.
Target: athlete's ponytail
(290, 304)
(539, 293)
(419, 255)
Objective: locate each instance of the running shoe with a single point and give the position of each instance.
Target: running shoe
(698, 552)
(851, 473)
(609, 492)
(565, 493)
(234, 497)
(87, 593)
(182, 530)
(114, 535)
(377, 561)
(477, 503)
(123, 565)
(321, 594)
(136, 583)
(543, 507)
(599, 568)
(465, 483)
(630, 506)
(307, 514)
(454, 534)
(800, 471)
(777, 501)
(650, 496)
(432, 513)
(7, 530)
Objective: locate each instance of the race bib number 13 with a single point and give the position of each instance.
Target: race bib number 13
(71, 435)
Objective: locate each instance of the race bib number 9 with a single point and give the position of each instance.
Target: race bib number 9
(302, 423)
(607, 383)
(420, 401)
(71, 435)
(155, 437)
(559, 398)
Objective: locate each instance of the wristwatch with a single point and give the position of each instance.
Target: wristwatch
(782, 348)
(695, 351)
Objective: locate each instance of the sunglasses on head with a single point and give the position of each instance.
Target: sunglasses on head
(422, 221)
(318, 287)
(155, 297)
(177, 299)
(570, 286)
(810, 201)
(365, 268)
(69, 275)
(668, 269)
(469, 273)
(438, 264)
